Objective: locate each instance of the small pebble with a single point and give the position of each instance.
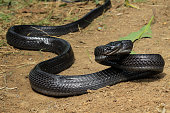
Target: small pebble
(119, 14)
(99, 28)
(30, 59)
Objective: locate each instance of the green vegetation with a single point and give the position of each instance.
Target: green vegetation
(3, 43)
(145, 31)
(128, 4)
(8, 15)
(5, 17)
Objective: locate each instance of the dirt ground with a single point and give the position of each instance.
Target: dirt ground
(150, 95)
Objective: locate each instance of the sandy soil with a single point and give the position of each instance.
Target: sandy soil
(150, 95)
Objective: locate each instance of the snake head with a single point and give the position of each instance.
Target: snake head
(114, 48)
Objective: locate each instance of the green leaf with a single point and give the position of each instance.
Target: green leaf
(143, 32)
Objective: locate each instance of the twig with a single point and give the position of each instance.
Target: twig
(27, 64)
(44, 32)
(3, 47)
(41, 30)
(7, 65)
(79, 28)
(19, 65)
(6, 87)
(8, 51)
(89, 56)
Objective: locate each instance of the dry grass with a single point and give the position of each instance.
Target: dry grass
(18, 12)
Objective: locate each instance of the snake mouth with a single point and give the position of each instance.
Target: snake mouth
(123, 52)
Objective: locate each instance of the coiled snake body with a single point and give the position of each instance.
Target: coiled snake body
(43, 78)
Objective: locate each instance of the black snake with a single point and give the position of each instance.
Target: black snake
(43, 78)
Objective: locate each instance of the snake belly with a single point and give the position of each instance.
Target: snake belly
(44, 77)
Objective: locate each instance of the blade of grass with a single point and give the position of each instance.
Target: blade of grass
(127, 3)
(89, 56)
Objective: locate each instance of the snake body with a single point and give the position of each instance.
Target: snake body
(44, 77)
